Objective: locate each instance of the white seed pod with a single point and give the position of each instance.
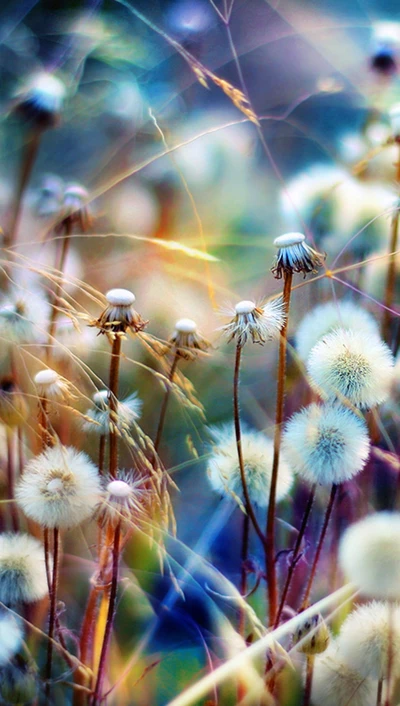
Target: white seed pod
(326, 444)
(100, 421)
(119, 315)
(336, 684)
(224, 472)
(259, 322)
(51, 385)
(186, 341)
(369, 555)
(22, 569)
(363, 642)
(295, 255)
(123, 499)
(59, 488)
(11, 636)
(344, 365)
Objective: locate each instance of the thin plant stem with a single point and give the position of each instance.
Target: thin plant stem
(390, 654)
(20, 447)
(60, 267)
(238, 434)
(379, 693)
(296, 552)
(113, 404)
(164, 406)
(391, 272)
(280, 399)
(110, 617)
(309, 677)
(53, 608)
(243, 570)
(11, 478)
(102, 453)
(321, 540)
(28, 161)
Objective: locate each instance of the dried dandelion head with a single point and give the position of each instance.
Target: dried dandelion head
(99, 418)
(186, 341)
(295, 255)
(363, 642)
(41, 99)
(326, 444)
(22, 569)
(59, 488)
(13, 407)
(312, 636)
(75, 212)
(369, 555)
(334, 683)
(122, 500)
(52, 386)
(119, 315)
(257, 321)
(11, 636)
(346, 365)
(224, 471)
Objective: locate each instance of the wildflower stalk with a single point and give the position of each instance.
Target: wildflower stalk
(53, 608)
(379, 693)
(305, 601)
(270, 529)
(391, 274)
(110, 617)
(102, 453)
(309, 676)
(163, 410)
(113, 403)
(11, 479)
(28, 161)
(296, 553)
(238, 434)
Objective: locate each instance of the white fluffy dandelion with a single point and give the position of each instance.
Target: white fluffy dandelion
(99, 420)
(122, 499)
(325, 318)
(347, 365)
(256, 321)
(336, 684)
(224, 471)
(369, 555)
(363, 642)
(11, 636)
(59, 488)
(24, 316)
(51, 385)
(295, 255)
(326, 444)
(119, 314)
(22, 569)
(41, 99)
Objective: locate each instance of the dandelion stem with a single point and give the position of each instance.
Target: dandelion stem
(296, 553)
(243, 569)
(110, 617)
(379, 693)
(238, 434)
(11, 479)
(164, 405)
(53, 608)
(327, 517)
(113, 404)
(391, 277)
(389, 654)
(28, 161)
(102, 453)
(308, 684)
(60, 267)
(280, 398)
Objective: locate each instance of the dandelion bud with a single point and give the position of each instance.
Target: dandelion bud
(326, 444)
(50, 385)
(259, 322)
(186, 341)
(18, 682)
(41, 100)
(295, 255)
(312, 636)
(100, 420)
(369, 555)
(59, 488)
(257, 449)
(22, 569)
(11, 636)
(334, 683)
(13, 407)
(119, 315)
(365, 636)
(122, 499)
(342, 365)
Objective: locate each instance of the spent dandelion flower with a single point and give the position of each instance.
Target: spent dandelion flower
(52, 386)
(23, 316)
(326, 444)
(119, 315)
(11, 636)
(366, 638)
(22, 569)
(259, 322)
(41, 99)
(336, 684)
(186, 341)
(74, 210)
(122, 500)
(224, 471)
(295, 255)
(99, 419)
(60, 488)
(328, 317)
(369, 555)
(343, 365)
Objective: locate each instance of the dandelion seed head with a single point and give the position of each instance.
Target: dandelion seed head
(245, 307)
(122, 500)
(295, 255)
(119, 315)
(11, 636)
(369, 555)
(42, 98)
(59, 488)
(326, 444)
(334, 683)
(24, 316)
(185, 326)
(120, 297)
(22, 569)
(289, 239)
(363, 642)
(344, 364)
(258, 322)
(99, 419)
(51, 385)
(325, 318)
(224, 472)
(186, 341)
